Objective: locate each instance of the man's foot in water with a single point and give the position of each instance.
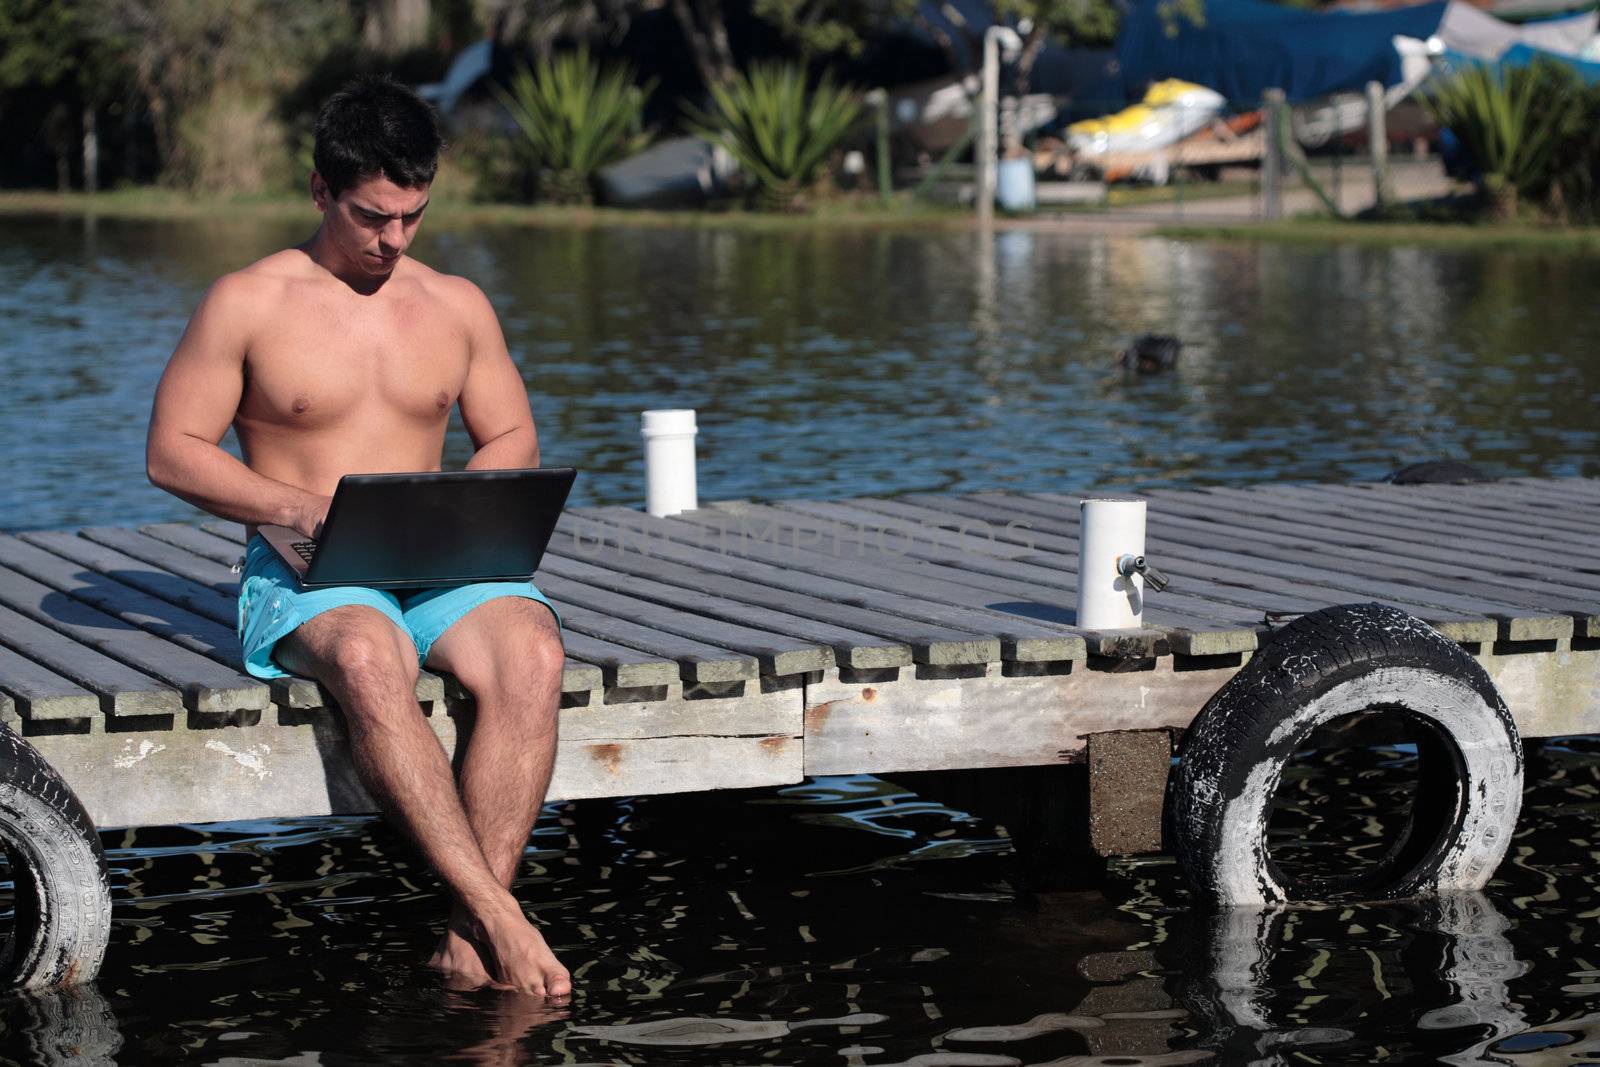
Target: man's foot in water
(508, 954)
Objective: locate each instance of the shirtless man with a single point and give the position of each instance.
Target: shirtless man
(344, 356)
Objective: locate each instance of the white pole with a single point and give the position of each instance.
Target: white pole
(669, 461)
(1378, 143)
(988, 131)
(1108, 530)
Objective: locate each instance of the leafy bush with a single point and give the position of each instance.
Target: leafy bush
(1511, 124)
(577, 115)
(1570, 184)
(779, 130)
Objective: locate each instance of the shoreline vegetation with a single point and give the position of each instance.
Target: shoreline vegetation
(147, 204)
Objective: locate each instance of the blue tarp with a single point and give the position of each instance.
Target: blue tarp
(1245, 47)
(1520, 55)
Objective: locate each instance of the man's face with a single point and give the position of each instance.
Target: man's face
(372, 222)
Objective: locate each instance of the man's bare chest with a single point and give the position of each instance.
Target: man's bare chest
(326, 364)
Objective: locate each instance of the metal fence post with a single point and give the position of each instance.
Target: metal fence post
(1272, 163)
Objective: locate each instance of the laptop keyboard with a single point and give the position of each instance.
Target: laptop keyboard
(304, 549)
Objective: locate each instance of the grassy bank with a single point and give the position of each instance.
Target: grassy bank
(444, 212)
(1362, 231)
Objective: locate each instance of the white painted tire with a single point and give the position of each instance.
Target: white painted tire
(63, 897)
(1325, 666)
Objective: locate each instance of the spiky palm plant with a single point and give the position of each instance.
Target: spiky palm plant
(1507, 125)
(577, 115)
(778, 128)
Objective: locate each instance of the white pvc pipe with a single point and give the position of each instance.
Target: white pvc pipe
(669, 461)
(1108, 530)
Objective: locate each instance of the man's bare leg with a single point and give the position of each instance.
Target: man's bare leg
(508, 654)
(370, 666)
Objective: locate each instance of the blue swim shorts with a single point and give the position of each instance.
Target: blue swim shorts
(272, 604)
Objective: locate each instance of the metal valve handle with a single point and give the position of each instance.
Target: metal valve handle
(1129, 565)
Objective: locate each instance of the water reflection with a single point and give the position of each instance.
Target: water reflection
(1283, 984)
(824, 363)
(838, 921)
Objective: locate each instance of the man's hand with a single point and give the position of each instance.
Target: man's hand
(310, 515)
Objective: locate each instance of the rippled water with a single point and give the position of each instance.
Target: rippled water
(834, 362)
(848, 921)
(844, 921)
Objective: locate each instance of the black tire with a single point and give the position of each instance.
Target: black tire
(1324, 666)
(63, 895)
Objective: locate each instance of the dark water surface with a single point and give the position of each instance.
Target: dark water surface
(847, 921)
(844, 921)
(834, 362)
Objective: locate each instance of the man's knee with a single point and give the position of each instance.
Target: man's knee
(523, 659)
(358, 650)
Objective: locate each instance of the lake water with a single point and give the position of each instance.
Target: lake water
(847, 921)
(837, 362)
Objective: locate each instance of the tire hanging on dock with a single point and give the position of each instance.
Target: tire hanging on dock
(1324, 666)
(63, 896)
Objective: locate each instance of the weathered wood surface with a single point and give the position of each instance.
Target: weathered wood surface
(747, 644)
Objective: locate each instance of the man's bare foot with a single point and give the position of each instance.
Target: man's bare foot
(516, 957)
(456, 957)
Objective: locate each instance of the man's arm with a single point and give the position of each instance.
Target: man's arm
(195, 403)
(494, 400)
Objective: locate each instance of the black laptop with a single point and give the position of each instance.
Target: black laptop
(431, 528)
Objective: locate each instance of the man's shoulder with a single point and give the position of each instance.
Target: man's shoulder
(460, 294)
(451, 287)
(265, 278)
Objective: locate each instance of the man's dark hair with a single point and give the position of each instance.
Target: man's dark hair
(376, 126)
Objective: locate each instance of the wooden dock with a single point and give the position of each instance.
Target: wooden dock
(746, 645)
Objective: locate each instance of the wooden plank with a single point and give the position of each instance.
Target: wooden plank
(940, 594)
(193, 539)
(206, 686)
(855, 594)
(1258, 562)
(1497, 508)
(696, 661)
(619, 665)
(777, 654)
(851, 648)
(228, 531)
(150, 614)
(168, 557)
(39, 693)
(1185, 621)
(201, 599)
(1481, 520)
(1315, 539)
(122, 691)
(861, 637)
(1406, 524)
(1460, 614)
(1528, 625)
(1216, 585)
(1207, 573)
(291, 692)
(1587, 489)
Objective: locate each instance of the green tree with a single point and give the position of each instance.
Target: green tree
(831, 27)
(59, 51)
(816, 28)
(211, 74)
